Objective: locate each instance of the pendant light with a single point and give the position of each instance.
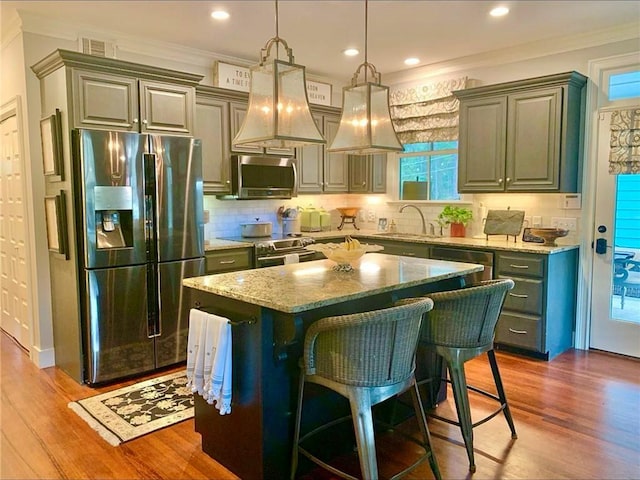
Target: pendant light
(278, 114)
(365, 126)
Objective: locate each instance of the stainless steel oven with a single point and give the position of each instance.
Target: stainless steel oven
(276, 251)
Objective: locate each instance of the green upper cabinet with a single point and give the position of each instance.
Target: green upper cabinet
(212, 128)
(117, 102)
(368, 173)
(320, 171)
(522, 136)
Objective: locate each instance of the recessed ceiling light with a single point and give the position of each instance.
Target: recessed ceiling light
(412, 61)
(351, 52)
(499, 11)
(219, 15)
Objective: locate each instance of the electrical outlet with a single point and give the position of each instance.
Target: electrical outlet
(371, 216)
(362, 216)
(536, 221)
(568, 223)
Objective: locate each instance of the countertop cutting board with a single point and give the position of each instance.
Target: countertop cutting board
(504, 222)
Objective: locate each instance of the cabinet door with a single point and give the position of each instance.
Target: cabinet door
(481, 159)
(533, 140)
(238, 111)
(336, 165)
(359, 173)
(212, 127)
(105, 101)
(310, 164)
(378, 173)
(166, 108)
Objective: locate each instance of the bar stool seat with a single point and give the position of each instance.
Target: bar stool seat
(367, 358)
(460, 327)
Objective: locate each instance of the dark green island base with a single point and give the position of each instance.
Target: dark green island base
(270, 310)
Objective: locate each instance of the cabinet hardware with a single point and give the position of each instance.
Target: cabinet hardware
(144, 122)
(519, 332)
(408, 254)
(518, 295)
(226, 262)
(500, 181)
(135, 120)
(518, 266)
(508, 180)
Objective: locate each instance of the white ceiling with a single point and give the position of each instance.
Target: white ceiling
(318, 31)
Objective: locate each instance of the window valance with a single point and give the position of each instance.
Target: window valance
(426, 113)
(624, 153)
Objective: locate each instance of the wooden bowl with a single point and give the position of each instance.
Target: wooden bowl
(549, 235)
(348, 211)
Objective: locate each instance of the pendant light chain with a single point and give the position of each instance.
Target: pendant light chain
(366, 35)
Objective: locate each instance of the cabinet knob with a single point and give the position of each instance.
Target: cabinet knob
(364, 184)
(499, 180)
(144, 122)
(228, 181)
(508, 179)
(135, 120)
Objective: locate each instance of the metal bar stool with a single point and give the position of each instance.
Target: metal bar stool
(460, 327)
(367, 358)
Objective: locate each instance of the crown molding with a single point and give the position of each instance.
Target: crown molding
(518, 53)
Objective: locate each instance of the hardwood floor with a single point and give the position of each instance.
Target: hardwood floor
(577, 417)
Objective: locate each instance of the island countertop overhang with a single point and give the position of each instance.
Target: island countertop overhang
(306, 286)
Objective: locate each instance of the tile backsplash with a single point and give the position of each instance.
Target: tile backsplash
(225, 216)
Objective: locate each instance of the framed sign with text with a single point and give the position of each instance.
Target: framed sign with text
(234, 77)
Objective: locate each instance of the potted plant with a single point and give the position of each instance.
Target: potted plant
(457, 217)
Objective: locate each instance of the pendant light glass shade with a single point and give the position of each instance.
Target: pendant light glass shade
(278, 114)
(365, 126)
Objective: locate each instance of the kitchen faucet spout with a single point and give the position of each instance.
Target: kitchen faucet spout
(424, 224)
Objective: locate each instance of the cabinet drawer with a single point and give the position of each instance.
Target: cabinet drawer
(519, 331)
(526, 296)
(228, 260)
(519, 264)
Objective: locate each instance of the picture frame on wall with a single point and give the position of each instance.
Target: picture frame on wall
(51, 138)
(56, 220)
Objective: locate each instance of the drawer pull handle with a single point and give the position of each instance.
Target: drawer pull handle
(519, 332)
(518, 266)
(408, 254)
(518, 295)
(227, 262)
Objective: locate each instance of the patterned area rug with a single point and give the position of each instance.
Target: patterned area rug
(141, 408)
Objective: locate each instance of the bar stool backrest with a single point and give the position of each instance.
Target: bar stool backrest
(367, 349)
(466, 318)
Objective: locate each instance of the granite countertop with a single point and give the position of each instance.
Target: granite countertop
(304, 286)
(219, 244)
(493, 243)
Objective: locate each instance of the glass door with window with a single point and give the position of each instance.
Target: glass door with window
(615, 306)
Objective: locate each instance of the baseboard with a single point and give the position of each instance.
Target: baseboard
(43, 358)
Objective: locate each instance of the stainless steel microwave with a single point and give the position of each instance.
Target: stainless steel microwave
(254, 177)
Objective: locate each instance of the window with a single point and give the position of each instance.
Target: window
(624, 85)
(429, 171)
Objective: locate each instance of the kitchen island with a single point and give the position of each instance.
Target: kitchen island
(270, 310)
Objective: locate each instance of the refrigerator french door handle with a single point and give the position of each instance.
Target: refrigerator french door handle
(150, 217)
(153, 301)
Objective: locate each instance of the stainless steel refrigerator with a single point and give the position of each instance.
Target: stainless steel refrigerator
(139, 232)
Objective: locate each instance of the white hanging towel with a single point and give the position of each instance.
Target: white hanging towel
(291, 258)
(211, 360)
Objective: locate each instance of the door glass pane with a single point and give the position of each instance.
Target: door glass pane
(625, 303)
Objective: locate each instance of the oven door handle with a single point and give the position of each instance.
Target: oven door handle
(281, 257)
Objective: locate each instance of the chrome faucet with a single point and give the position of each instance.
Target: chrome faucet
(424, 224)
